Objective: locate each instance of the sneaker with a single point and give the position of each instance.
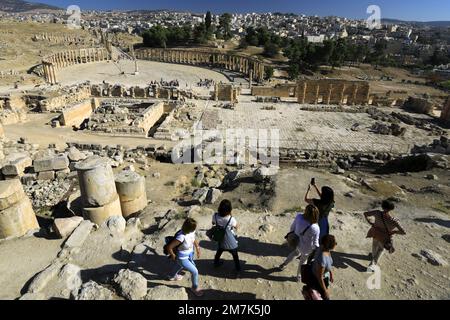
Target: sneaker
(197, 292)
(176, 278)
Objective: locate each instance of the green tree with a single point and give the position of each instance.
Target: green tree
(225, 26)
(208, 21)
(251, 36)
(271, 49)
(268, 73)
(155, 37)
(200, 34)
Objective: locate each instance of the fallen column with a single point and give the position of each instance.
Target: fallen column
(98, 190)
(131, 189)
(17, 216)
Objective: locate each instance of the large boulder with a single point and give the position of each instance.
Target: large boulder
(199, 195)
(70, 275)
(65, 226)
(383, 187)
(166, 293)
(434, 258)
(133, 285)
(213, 195)
(414, 163)
(75, 155)
(93, 291)
(265, 172)
(115, 224)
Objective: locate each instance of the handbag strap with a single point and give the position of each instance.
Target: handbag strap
(306, 229)
(229, 220)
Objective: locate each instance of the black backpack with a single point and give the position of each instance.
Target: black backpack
(217, 233)
(168, 240)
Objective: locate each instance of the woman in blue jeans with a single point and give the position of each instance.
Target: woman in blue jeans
(181, 250)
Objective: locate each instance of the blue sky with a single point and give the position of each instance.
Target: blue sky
(420, 10)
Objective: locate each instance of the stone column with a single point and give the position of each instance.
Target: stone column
(16, 213)
(98, 189)
(355, 91)
(317, 93)
(330, 91)
(341, 96)
(131, 189)
(45, 70)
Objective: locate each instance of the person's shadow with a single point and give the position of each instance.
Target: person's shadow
(342, 260)
(254, 247)
(440, 222)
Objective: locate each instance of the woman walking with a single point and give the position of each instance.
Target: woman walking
(181, 250)
(384, 226)
(228, 223)
(305, 227)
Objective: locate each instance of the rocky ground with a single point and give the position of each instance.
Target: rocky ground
(125, 261)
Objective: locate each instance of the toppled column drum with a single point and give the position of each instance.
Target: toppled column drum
(17, 216)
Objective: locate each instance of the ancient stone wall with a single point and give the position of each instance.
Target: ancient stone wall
(64, 38)
(151, 116)
(243, 64)
(153, 91)
(333, 91)
(279, 90)
(75, 115)
(445, 115)
(67, 58)
(59, 102)
(12, 109)
(226, 92)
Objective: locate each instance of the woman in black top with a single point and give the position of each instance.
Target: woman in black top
(324, 204)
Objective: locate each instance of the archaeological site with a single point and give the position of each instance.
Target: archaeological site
(111, 142)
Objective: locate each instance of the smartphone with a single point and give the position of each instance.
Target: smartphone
(313, 181)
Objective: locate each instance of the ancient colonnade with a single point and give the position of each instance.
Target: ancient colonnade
(67, 58)
(249, 66)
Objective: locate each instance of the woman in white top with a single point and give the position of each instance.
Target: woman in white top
(181, 250)
(229, 243)
(307, 230)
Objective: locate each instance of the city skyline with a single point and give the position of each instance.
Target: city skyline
(414, 10)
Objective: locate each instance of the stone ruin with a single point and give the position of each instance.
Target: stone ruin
(445, 114)
(63, 59)
(322, 91)
(13, 109)
(249, 66)
(17, 216)
(62, 38)
(56, 101)
(419, 105)
(226, 92)
(128, 117)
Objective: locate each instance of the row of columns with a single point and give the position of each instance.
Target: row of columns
(229, 62)
(304, 87)
(49, 72)
(71, 57)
